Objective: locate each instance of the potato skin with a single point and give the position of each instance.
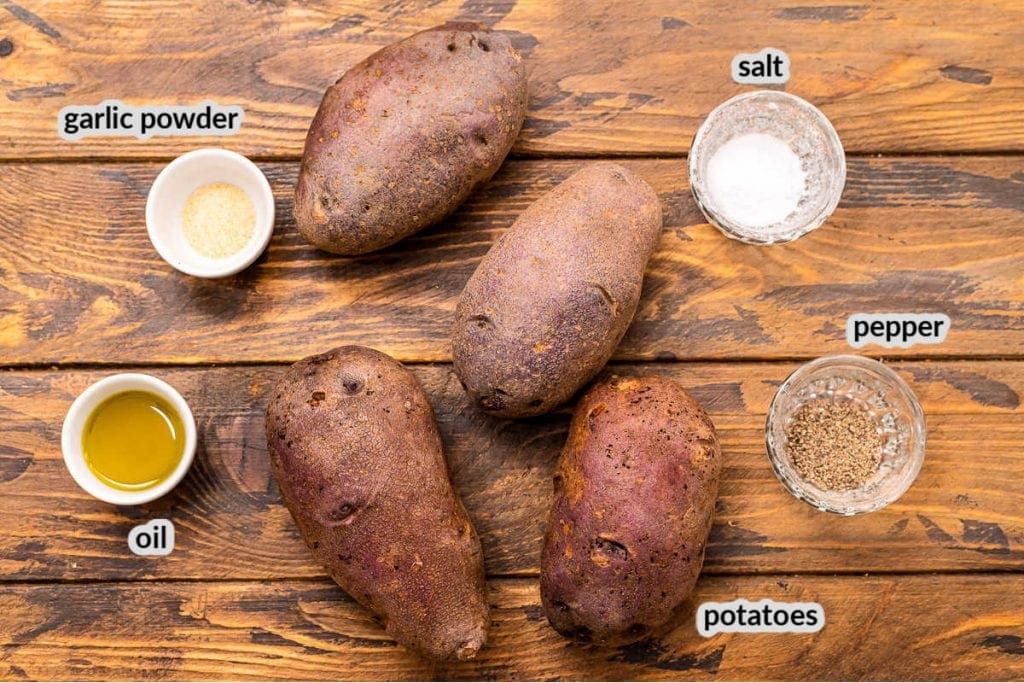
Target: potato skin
(359, 461)
(553, 297)
(635, 490)
(402, 138)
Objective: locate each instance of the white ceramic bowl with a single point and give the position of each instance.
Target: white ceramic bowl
(78, 415)
(178, 181)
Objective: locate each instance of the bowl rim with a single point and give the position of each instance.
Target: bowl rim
(733, 229)
(78, 413)
(791, 480)
(211, 268)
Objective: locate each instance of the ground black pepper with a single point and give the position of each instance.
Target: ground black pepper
(834, 445)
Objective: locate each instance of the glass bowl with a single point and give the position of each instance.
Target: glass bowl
(811, 137)
(887, 401)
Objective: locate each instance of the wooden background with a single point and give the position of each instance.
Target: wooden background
(929, 101)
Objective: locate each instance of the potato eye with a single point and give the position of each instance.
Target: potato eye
(352, 385)
(610, 547)
(341, 514)
(481, 321)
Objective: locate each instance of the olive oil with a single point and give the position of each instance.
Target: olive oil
(133, 440)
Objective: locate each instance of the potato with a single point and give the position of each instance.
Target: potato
(551, 300)
(357, 456)
(635, 491)
(406, 135)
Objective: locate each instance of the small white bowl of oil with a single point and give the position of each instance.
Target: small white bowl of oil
(129, 439)
(210, 213)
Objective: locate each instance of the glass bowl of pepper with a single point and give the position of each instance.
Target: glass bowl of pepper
(845, 434)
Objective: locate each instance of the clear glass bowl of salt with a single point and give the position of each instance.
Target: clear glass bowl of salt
(767, 167)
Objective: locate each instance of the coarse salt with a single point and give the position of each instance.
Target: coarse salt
(755, 180)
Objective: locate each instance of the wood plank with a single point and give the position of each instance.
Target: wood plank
(965, 512)
(606, 77)
(80, 282)
(877, 628)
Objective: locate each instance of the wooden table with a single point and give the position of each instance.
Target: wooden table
(928, 99)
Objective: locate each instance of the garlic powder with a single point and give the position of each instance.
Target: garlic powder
(218, 220)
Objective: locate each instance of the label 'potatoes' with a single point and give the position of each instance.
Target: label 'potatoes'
(404, 137)
(553, 297)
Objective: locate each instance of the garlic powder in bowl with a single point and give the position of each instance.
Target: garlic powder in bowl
(210, 213)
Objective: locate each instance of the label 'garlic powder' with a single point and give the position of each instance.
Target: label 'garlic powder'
(218, 220)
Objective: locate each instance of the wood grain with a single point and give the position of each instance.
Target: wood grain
(240, 597)
(80, 282)
(606, 77)
(311, 631)
(965, 511)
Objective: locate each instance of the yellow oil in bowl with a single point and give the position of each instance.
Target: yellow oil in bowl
(133, 440)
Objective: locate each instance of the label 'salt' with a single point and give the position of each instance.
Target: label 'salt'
(770, 66)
